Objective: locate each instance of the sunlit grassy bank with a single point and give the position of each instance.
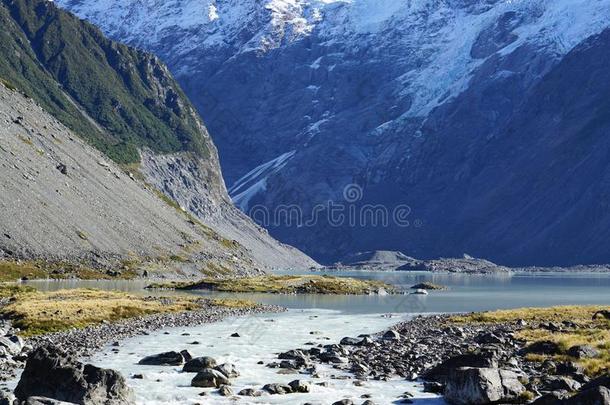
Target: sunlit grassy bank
(287, 284)
(37, 312)
(587, 331)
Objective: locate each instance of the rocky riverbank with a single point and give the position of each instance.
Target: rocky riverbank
(471, 361)
(83, 341)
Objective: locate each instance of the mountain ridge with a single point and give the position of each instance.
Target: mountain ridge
(406, 102)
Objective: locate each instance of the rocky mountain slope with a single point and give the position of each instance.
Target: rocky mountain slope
(125, 103)
(486, 118)
(65, 201)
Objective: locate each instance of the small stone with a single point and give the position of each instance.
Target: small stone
(225, 391)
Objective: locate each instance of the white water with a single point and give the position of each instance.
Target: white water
(262, 337)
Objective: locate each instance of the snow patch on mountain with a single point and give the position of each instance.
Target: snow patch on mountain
(255, 181)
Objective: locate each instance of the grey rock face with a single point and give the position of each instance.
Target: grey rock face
(493, 138)
(469, 385)
(50, 373)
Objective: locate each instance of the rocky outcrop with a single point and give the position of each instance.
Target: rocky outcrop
(50, 373)
(200, 190)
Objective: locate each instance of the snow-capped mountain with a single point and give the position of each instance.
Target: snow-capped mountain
(452, 107)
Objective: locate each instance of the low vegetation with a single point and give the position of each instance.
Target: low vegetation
(288, 284)
(579, 328)
(38, 313)
(13, 270)
(66, 65)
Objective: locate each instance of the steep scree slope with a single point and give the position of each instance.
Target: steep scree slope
(125, 103)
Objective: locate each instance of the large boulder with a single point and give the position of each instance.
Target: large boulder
(199, 364)
(163, 359)
(50, 373)
(210, 378)
(473, 386)
(441, 371)
(595, 396)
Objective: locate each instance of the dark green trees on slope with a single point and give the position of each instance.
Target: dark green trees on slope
(116, 97)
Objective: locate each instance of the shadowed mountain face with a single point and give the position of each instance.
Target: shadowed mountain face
(487, 119)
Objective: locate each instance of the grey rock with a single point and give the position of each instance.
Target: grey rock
(199, 364)
(11, 346)
(49, 373)
(228, 369)
(555, 383)
(441, 371)
(225, 391)
(163, 359)
(277, 389)
(186, 355)
(300, 386)
(602, 314)
(391, 335)
(349, 341)
(249, 392)
(209, 378)
(551, 398)
(468, 385)
(583, 352)
(593, 396)
(601, 381)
